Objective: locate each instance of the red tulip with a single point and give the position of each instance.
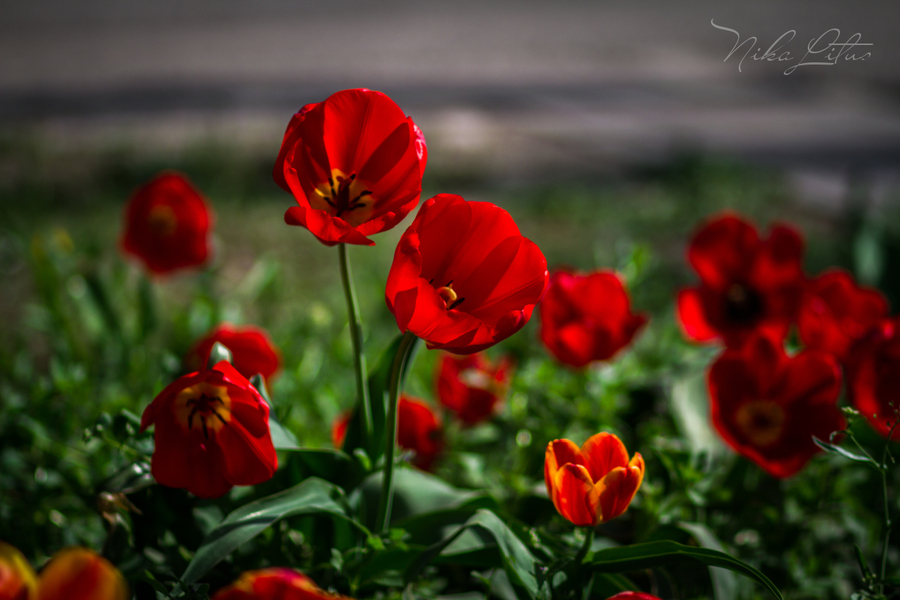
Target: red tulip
(251, 349)
(354, 164)
(81, 574)
(273, 584)
(767, 405)
(873, 376)
(418, 429)
(746, 284)
(586, 317)
(212, 433)
(167, 224)
(463, 277)
(18, 580)
(633, 596)
(593, 484)
(471, 386)
(835, 312)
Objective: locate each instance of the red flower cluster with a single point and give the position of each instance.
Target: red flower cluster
(274, 584)
(471, 386)
(354, 163)
(747, 284)
(592, 484)
(167, 225)
(252, 351)
(418, 429)
(586, 317)
(212, 433)
(767, 405)
(463, 277)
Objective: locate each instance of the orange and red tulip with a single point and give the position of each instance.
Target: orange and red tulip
(18, 580)
(273, 584)
(81, 574)
(592, 484)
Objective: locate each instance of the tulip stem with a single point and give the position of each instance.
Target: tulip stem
(359, 356)
(588, 540)
(404, 351)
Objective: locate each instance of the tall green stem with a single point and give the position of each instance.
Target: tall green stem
(390, 435)
(359, 356)
(588, 540)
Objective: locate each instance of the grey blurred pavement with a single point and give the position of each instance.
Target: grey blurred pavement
(521, 88)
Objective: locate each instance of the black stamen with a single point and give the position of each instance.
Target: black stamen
(455, 304)
(205, 430)
(219, 417)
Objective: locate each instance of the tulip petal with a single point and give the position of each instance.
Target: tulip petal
(692, 316)
(558, 453)
(617, 489)
(576, 498)
(720, 251)
(602, 453)
(81, 574)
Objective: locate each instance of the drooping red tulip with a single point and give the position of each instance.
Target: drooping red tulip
(463, 277)
(252, 350)
(746, 283)
(167, 225)
(80, 574)
(835, 312)
(873, 376)
(633, 596)
(768, 405)
(354, 164)
(274, 584)
(472, 386)
(586, 317)
(592, 484)
(418, 429)
(212, 433)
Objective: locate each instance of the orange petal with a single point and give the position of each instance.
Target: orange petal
(576, 498)
(602, 453)
(81, 574)
(18, 580)
(617, 489)
(559, 452)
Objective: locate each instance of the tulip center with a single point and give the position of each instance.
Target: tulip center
(162, 220)
(451, 299)
(204, 407)
(762, 421)
(344, 196)
(742, 304)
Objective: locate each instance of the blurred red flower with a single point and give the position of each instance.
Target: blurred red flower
(167, 224)
(767, 405)
(586, 317)
(80, 574)
(251, 349)
(633, 596)
(18, 580)
(472, 386)
(212, 433)
(835, 312)
(354, 163)
(273, 584)
(873, 376)
(418, 429)
(592, 484)
(745, 283)
(463, 277)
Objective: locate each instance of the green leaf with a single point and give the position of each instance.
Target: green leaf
(282, 438)
(834, 449)
(666, 553)
(518, 562)
(724, 582)
(313, 496)
(417, 493)
(217, 354)
(128, 479)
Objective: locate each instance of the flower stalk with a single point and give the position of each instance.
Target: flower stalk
(404, 352)
(359, 356)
